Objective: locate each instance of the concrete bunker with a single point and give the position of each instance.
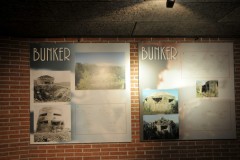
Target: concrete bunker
(209, 89)
(50, 120)
(161, 102)
(45, 79)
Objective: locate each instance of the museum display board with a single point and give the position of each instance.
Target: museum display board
(80, 93)
(186, 91)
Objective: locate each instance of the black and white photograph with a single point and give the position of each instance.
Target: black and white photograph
(160, 126)
(51, 86)
(52, 124)
(207, 88)
(100, 71)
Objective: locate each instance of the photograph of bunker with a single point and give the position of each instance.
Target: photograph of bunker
(160, 103)
(161, 128)
(51, 126)
(207, 88)
(47, 90)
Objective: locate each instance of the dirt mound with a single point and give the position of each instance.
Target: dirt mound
(48, 93)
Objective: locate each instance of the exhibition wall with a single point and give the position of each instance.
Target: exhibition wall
(16, 123)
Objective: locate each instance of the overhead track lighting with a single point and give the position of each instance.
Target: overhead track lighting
(170, 3)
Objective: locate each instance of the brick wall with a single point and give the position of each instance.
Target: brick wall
(15, 121)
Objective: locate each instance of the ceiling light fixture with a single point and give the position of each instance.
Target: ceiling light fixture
(170, 3)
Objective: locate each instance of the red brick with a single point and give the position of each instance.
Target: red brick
(64, 146)
(92, 158)
(82, 146)
(55, 158)
(15, 121)
(65, 154)
(73, 158)
(47, 147)
(56, 151)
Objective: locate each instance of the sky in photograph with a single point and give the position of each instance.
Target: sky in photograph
(152, 118)
(59, 76)
(148, 92)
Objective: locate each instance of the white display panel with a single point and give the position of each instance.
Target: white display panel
(110, 115)
(208, 63)
(202, 73)
(87, 87)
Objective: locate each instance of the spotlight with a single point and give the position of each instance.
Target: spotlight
(170, 3)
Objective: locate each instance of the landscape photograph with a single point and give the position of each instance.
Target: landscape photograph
(99, 71)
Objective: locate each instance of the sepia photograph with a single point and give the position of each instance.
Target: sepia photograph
(99, 71)
(51, 86)
(52, 124)
(207, 88)
(160, 126)
(160, 101)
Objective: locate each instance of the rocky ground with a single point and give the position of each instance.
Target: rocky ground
(51, 93)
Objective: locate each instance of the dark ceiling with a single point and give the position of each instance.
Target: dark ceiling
(119, 18)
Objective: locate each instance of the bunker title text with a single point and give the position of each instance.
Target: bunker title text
(159, 53)
(51, 54)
